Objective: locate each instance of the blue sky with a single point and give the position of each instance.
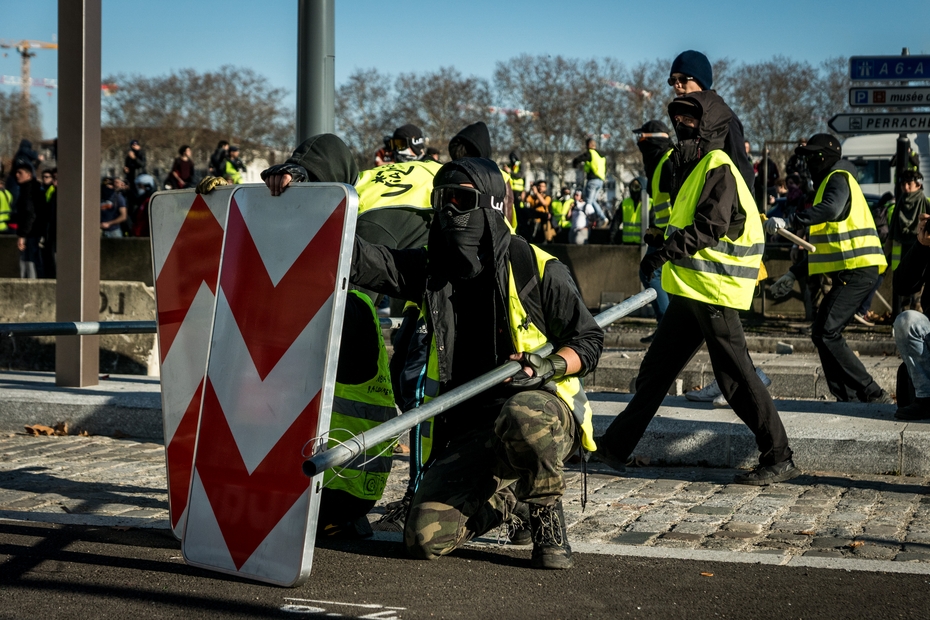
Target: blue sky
(152, 38)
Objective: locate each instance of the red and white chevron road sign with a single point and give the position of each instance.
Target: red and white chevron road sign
(270, 376)
(187, 238)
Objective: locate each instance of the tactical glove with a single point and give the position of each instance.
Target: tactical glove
(654, 237)
(552, 367)
(783, 285)
(772, 225)
(208, 184)
(650, 263)
(298, 173)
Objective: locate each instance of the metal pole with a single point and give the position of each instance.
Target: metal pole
(77, 296)
(316, 73)
(345, 452)
(77, 328)
(765, 178)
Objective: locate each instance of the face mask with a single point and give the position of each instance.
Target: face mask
(463, 235)
(684, 132)
(406, 155)
(140, 190)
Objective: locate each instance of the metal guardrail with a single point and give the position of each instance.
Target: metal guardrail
(91, 328)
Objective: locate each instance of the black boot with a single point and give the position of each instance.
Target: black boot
(550, 540)
(518, 530)
(917, 410)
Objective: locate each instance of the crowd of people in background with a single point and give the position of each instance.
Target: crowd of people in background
(29, 201)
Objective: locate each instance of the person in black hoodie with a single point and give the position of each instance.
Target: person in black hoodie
(691, 72)
(912, 328)
(715, 213)
(499, 446)
(31, 221)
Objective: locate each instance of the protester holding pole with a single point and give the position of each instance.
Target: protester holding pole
(488, 296)
(849, 251)
(710, 259)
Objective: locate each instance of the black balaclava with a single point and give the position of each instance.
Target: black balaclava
(819, 164)
(462, 245)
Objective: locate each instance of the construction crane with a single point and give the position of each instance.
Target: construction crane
(24, 48)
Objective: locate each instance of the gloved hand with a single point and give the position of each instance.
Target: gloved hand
(772, 225)
(783, 285)
(654, 237)
(208, 184)
(650, 263)
(551, 367)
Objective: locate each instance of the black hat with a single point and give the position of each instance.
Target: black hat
(684, 106)
(821, 142)
(653, 127)
(233, 147)
(694, 64)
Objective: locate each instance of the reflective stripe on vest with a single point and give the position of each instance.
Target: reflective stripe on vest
(49, 191)
(356, 409)
(661, 201)
(850, 244)
(632, 222)
(527, 337)
(400, 184)
(5, 199)
(895, 254)
(596, 165)
(726, 274)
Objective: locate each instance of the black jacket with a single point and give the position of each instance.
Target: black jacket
(31, 218)
(475, 138)
(734, 145)
(717, 213)
(911, 275)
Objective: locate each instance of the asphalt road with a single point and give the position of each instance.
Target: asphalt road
(53, 571)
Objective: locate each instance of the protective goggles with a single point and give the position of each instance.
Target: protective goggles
(460, 199)
(402, 144)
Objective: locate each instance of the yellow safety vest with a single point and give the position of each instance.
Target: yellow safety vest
(526, 337)
(632, 221)
(356, 409)
(597, 165)
(561, 211)
(517, 184)
(508, 180)
(49, 192)
(850, 244)
(399, 184)
(661, 201)
(232, 173)
(726, 274)
(5, 200)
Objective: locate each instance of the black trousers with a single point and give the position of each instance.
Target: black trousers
(846, 377)
(686, 325)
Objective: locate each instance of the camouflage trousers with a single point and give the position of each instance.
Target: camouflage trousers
(473, 486)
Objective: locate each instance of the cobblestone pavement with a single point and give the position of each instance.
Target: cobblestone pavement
(106, 481)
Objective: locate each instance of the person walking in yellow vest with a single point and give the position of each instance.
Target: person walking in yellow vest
(595, 171)
(489, 296)
(849, 252)
(710, 260)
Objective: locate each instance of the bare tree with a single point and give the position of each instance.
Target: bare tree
(17, 123)
(365, 113)
(189, 107)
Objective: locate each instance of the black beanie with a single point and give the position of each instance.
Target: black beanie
(694, 64)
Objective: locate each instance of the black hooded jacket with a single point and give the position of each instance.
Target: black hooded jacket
(717, 213)
(475, 138)
(420, 275)
(653, 149)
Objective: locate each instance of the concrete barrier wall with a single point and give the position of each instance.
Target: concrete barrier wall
(26, 301)
(128, 259)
